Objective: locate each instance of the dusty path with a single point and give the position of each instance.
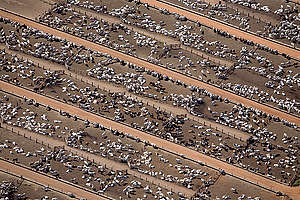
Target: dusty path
(293, 192)
(253, 13)
(114, 88)
(143, 63)
(233, 31)
(111, 19)
(47, 181)
(249, 12)
(30, 8)
(156, 36)
(114, 165)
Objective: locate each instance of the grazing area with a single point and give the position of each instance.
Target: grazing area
(15, 187)
(29, 8)
(125, 99)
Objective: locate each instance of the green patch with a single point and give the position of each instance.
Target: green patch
(297, 182)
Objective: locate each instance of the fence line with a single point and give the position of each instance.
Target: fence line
(270, 189)
(134, 173)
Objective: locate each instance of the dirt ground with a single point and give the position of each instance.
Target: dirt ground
(28, 8)
(33, 147)
(225, 184)
(32, 190)
(94, 135)
(181, 77)
(197, 71)
(234, 78)
(190, 134)
(29, 146)
(159, 142)
(256, 19)
(189, 137)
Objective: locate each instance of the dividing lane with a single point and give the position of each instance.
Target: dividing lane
(222, 26)
(114, 165)
(48, 65)
(293, 192)
(47, 181)
(143, 63)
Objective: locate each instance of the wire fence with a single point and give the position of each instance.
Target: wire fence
(8, 171)
(162, 148)
(224, 23)
(162, 66)
(268, 105)
(153, 180)
(19, 132)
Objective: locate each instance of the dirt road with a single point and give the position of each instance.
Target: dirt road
(191, 154)
(157, 36)
(134, 60)
(249, 12)
(100, 160)
(30, 8)
(108, 86)
(47, 181)
(233, 31)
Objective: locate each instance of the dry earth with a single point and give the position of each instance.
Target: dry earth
(293, 192)
(29, 8)
(134, 60)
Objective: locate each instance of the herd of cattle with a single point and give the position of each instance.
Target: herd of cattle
(272, 147)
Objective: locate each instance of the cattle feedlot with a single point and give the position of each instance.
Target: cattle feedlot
(150, 99)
